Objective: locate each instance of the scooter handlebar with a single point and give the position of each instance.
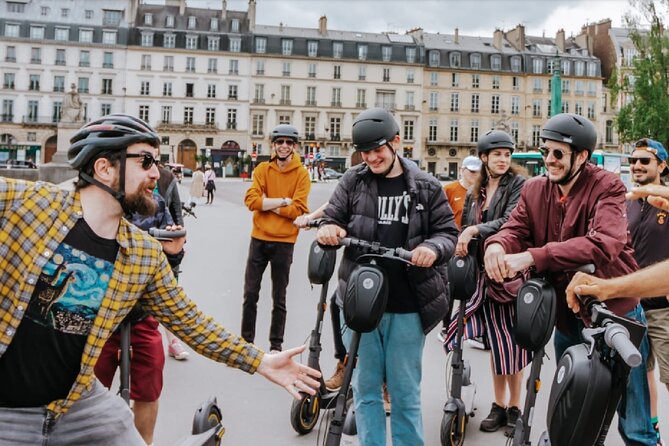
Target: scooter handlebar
(618, 338)
(396, 252)
(163, 234)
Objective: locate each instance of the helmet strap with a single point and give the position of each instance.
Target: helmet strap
(119, 194)
(491, 175)
(385, 174)
(572, 175)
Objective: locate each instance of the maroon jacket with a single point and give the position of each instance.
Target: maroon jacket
(589, 225)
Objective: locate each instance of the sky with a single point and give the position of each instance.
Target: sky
(472, 17)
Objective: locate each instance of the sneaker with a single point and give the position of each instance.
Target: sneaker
(495, 419)
(177, 350)
(512, 415)
(337, 378)
(386, 399)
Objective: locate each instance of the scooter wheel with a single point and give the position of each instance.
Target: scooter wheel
(208, 416)
(452, 433)
(302, 418)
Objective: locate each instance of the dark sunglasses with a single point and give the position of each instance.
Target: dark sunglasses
(147, 159)
(288, 142)
(643, 161)
(557, 153)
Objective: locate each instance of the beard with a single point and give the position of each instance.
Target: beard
(137, 201)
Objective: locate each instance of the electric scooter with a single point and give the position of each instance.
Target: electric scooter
(462, 281)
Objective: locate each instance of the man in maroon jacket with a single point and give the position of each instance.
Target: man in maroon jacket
(572, 216)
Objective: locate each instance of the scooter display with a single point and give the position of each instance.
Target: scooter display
(462, 280)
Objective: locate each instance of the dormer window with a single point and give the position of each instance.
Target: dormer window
(148, 19)
(169, 21)
(496, 62)
(234, 26)
(192, 22)
(213, 24)
(454, 59)
(475, 61)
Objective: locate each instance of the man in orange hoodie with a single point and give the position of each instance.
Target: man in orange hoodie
(277, 196)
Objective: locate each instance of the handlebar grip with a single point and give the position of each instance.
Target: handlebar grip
(617, 337)
(163, 234)
(403, 254)
(588, 268)
(314, 223)
(346, 241)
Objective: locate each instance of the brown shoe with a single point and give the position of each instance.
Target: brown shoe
(386, 399)
(335, 382)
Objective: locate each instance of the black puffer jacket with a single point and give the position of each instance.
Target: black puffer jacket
(354, 207)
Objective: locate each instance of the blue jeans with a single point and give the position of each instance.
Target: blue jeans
(634, 424)
(392, 353)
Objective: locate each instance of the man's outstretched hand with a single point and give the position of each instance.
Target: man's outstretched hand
(281, 369)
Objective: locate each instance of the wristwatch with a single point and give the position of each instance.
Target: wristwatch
(284, 202)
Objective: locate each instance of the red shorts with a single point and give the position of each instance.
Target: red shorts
(146, 363)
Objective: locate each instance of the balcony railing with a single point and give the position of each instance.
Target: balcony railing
(187, 125)
(39, 120)
(258, 100)
(8, 86)
(361, 105)
(335, 137)
(232, 97)
(107, 65)
(84, 64)
(10, 59)
(284, 102)
(310, 136)
(409, 107)
(386, 105)
(35, 60)
(168, 68)
(335, 104)
(7, 118)
(310, 103)
(60, 61)
(231, 125)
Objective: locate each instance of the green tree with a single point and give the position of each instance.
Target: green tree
(647, 114)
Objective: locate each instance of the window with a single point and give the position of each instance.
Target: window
(86, 35)
(147, 38)
(188, 115)
(148, 19)
(37, 32)
(410, 54)
(386, 53)
(146, 62)
(591, 110)
(284, 119)
(455, 102)
(495, 82)
(579, 68)
(192, 22)
(106, 86)
(455, 79)
(286, 69)
(285, 95)
(434, 58)
(211, 90)
(474, 131)
(565, 106)
(566, 66)
(33, 82)
(234, 25)
(566, 85)
(169, 41)
(475, 103)
(235, 44)
(259, 95)
(287, 47)
(515, 105)
(386, 75)
(536, 131)
(311, 96)
(361, 98)
(609, 131)
(9, 81)
(578, 90)
(84, 58)
(167, 88)
(476, 80)
(213, 43)
(409, 101)
(536, 108)
(336, 97)
(109, 37)
(12, 30)
(537, 66)
(105, 109)
(16, 7)
(310, 127)
(410, 75)
(213, 24)
(312, 70)
(144, 88)
(592, 89)
(60, 56)
(261, 45)
(190, 65)
(166, 114)
(515, 82)
(408, 130)
(496, 62)
(434, 79)
(337, 50)
(475, 61)
(64, 12)
(335, 128)
(337, 72)
(385, 99)
(233, 67)
(88, 14)
(33, 111)
(434, 101)
(189, 89)
(82, 85)
(516, 64)
(432, 131)
(232, 118)
(212, 66)
(11, 54)
(169, 21)
(538, 85)
(191, 42)
(144, 113)
(210, 116)
(454, 59)
(44, 11)
(111, 17)
(494, 104)
(36, 55)
(260, 67)
(592, 69)
(7, 110)
(362, 52)
(312, 48)
(168, 63)
(257, 125)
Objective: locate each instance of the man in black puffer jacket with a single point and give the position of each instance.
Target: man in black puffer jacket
(390, 201)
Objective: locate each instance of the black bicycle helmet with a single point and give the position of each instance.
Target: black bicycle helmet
(494, 139)
(112, 132)
(575, 130)
(285, 130)
(373, 128)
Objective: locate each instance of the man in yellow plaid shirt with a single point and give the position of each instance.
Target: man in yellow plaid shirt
(71, 268)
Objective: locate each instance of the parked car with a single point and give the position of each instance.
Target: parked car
(187, 172)
(331, 174)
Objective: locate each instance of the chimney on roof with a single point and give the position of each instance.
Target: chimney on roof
(456, 36)
(252, 15)
(224, 9)
(516, 38)
(498, 39)
(182, 7)
(559, 40)
(323, 25)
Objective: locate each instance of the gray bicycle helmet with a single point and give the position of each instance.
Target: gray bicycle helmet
(494, 139)
(112, 132)
(575, 130)
(285, 130)
(373, 128)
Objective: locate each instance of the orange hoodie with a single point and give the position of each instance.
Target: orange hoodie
(293, 182)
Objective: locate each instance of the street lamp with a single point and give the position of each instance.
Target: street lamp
(174, 160)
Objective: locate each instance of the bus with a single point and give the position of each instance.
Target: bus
(613, 162)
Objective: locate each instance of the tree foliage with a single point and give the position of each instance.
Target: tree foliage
(647, 113)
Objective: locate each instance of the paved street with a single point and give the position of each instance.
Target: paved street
(256, 412)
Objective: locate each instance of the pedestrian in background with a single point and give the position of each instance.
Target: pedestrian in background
(209, 183)
(456, 191)
(197, 186)
(277, 196)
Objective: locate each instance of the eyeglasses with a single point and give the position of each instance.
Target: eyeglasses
(288, 142)
(643, 161)
(557, 153)
(147, 159)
